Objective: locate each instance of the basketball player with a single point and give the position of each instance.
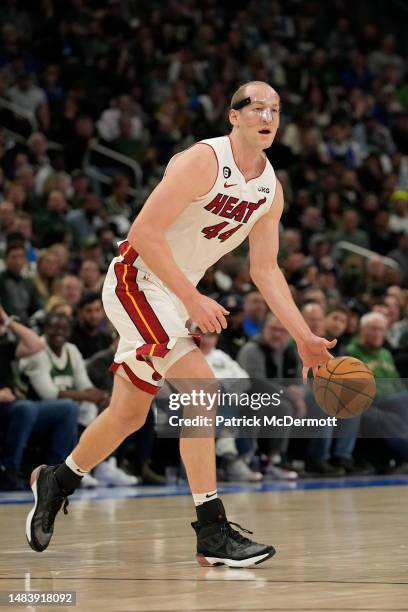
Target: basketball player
(212, 196)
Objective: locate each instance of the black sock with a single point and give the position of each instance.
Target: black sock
(67, 479)
(212, 511)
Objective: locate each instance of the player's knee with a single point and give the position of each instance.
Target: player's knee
(127, 419)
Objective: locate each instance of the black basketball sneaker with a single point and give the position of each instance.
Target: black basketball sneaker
(219, 544)
(48, 500)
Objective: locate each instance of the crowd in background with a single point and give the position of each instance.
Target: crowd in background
(147, 79)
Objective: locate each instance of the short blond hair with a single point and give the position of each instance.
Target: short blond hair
(240, 93)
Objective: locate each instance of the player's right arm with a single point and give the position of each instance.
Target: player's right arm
(190, 175)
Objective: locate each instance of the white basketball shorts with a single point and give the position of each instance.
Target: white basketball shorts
(150, 321)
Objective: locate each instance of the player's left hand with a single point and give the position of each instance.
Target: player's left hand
(314, 352)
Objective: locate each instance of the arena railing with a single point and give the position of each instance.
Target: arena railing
(97, 172)
(366, 253)
(18, 110)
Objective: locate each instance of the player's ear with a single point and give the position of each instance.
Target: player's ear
(233, 117)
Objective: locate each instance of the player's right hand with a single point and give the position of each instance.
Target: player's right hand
(206, 313)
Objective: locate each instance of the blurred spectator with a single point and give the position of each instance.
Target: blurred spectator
(26, 94)
(20, 418)
(350, 231)
(46, 275)
(78, 140)
(90, 275)
(106, 241)
(70, 289)
(400, 255)
(85, 221)
(331, 454)
(269, 356)
(136, 451)
(59, 371)
(109, 122)
(387, 417)
(398, 220)
(255, 311)
(51, 224)
(80, 187)
(335, 322)
(230, 450)
(125, 143)
(382, 239)
(17, 294)
(233, 338)
(87, 334)
(7, 223)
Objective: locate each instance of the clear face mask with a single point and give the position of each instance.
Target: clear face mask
(265, 113)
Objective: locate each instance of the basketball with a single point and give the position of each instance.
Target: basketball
(344, 387)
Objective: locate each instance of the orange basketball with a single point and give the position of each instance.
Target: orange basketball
(344, 387)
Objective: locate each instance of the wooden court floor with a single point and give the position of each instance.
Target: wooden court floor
(337, 550)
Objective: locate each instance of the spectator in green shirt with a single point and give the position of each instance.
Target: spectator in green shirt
(387, 418)
(368, 347)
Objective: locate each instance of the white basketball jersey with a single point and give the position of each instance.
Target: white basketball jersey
(216, 223)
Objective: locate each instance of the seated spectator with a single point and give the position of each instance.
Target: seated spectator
(26, 94)
(233, 338)
(106, 242)
(335, 324)
(59, 371)
(70, 289)
(50, 224)
(397, 323)
(118, 201)
(21, 418)
(388, 415)
(329, 455)
(7, 223)
(87, 334)
(382, 238)
(91, 276)
(318, 296)
(55, 305)
(108, 124)
(265, 357)
(117, 204)
(349, 230)
(313, 313)
(125, 143)
(85, 221)
(227, 448)
(136, 451)
(24, 228)
(328, 281)
(17, 294)
(80, 134)
(46, 275)
(255, 311)
(400, 255)
(63, 254)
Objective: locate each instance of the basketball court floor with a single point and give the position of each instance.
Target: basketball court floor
(341, 546)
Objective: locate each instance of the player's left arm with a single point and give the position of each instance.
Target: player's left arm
(269, 279)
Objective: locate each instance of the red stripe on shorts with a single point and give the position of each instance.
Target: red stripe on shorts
(128, 253)
(138, 382)
(136, 305)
